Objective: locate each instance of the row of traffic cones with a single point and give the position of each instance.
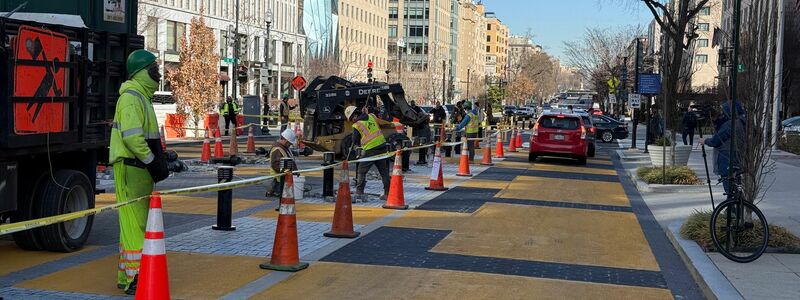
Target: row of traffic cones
(233, 149)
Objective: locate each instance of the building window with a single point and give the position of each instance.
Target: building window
(415, 30)
(287, 53)
(488, 38)
(701, 43)
(488, 48)
(223, 44)
(256, 49)
(392, 30)
(151, 34)
(702, 26)
(705, 11)
(175, 32)
(392, 12)
(488, 26)
(701, 58)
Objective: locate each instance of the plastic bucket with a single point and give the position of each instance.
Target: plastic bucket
(299, 186)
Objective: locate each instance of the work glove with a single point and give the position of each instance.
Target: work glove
(158, 169)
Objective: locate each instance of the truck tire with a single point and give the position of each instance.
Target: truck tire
(28, 239)
(71, 235)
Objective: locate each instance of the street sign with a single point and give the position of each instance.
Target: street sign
(740, 68)
(649, 84)
(612, 99)
(635, 100)
(613, 83)
(298, 83)
(264, 75)
(401, 42)
(228, 60)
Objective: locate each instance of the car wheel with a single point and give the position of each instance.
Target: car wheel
(607, 136)
(532, 157)
(582, 161)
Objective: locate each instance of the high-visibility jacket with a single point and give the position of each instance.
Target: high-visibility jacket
(224, 110)
(371, 134)
(134, 132)
(283, 153)
(474, 123)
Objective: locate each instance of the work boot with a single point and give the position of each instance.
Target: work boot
(131, 290)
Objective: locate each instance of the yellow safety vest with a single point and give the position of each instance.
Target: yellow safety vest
(472, 126)
(371, 135)
(284, 154)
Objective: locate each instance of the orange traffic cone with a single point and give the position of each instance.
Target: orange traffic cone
(396, 199)
(512, 144)
(437, 178)
(519, 138)
(397, 125)
(163, 138)
(487, 154)
(342, 226)
(218, 151)
(463, 163)
(299, 133)
(153, 282)
(499, 151)
(233, 146)
(205, 156)
(251, 142)
(285, 256)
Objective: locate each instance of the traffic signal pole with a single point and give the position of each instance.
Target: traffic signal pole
(235, 54)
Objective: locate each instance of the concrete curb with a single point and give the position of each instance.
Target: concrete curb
(658, 188)
(708, 277)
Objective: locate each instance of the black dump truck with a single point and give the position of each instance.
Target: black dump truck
(60, 84)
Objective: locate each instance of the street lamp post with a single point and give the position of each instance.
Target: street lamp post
(268, 63)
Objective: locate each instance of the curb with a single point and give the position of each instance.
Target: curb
(709, 278)
(658, 188)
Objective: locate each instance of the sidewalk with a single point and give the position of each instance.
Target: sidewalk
(773, 276)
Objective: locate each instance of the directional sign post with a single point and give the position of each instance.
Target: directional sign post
(635, 101)
(649, 84)
(612, 99)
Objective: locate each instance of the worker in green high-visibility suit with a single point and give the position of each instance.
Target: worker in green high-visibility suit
(138, 160)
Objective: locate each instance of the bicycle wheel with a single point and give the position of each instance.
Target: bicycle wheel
(739, 231)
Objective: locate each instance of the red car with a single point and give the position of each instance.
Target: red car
(562, 135)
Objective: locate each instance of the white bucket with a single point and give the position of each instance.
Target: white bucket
(299, 186)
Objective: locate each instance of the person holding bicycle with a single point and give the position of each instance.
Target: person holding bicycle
(721, 141)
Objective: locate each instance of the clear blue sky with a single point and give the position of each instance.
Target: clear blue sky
(554, 21)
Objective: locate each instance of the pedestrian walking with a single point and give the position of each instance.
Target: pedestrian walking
(439, 114)
(280, 149)
(721, 140)
(470, 125)
(689, 123)
(284, 110)
(229, 110)
(138, 160)
(367, 134)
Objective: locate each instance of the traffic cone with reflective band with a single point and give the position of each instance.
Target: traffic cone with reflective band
(396, 199)
(463, 165)
(437, 178)
(251, 142)
(487, 154)
(163, 138)
(342, 226)
(218, 151)
(233, 146)
(499, 151)
(519, 138)
(512, 144)
(397, 125)
(205, 155)
(285, 251)
(153, 281)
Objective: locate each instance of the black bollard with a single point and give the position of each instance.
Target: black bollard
(224, 201)
(423, 152)
(328, 158)
(407, 156)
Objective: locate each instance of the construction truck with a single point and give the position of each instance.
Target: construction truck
(61, 65)
(326, 129)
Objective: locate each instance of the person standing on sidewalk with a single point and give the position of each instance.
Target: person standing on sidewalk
(470, 125)
(721, 141)
(229, 110)
(439, 114)
(138, 159)
(284, 109)
(689, 123)
(367, 133)
(280, 149)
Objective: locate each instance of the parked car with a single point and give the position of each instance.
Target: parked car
(509, 110)
(560, 135)
(526, 112)
(163, 97)
(791, 125)
(609, 129)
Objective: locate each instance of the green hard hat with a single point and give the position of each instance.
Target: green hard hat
(467, 104)
(139, 60)
(285, 96)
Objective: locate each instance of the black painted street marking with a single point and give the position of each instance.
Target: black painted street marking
(469, 200)
(501, 174)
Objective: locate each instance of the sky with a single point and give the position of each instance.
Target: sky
(554, 21)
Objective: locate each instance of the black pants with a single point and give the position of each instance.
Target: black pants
(228, 120)
(363, 168)
(688, 132)
(471, 145)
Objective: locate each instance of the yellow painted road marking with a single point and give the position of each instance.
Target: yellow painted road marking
(349, 281)
(13, 259)
(187, 204)
(562, 235)
(191, 276)
(324, 213)
(601, 162)
(430, 219)
(572, 169)
(512, 164)
(565, 190)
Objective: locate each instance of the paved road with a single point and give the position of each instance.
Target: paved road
(515, 230)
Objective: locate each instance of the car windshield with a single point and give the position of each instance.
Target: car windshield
(558, 122)
(426, 109)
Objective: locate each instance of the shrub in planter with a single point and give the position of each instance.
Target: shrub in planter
(696, 229)
(675, 175)
(662, 145)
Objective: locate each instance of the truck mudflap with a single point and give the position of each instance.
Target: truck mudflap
(8, 186)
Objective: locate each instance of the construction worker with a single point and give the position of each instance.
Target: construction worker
(470, 125)
(367, 133)
(229, 110)
(138, 160)
(284, 110)
(280, 149)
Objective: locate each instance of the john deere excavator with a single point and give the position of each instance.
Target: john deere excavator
(322, 107)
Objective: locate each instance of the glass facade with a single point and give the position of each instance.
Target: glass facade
(320, 23)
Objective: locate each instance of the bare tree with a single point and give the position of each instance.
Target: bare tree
(596, 55)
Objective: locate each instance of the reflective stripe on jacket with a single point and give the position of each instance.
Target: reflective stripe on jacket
(282, 153)
(134, 124)
(473, 125)
(224, 110)
(371, 134)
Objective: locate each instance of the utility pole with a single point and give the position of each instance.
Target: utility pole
(469, 74)
(444, 80)
(734, 70)
(636, 90)
(778, 86)
(268, 63)
(624, 86)
(235, 54)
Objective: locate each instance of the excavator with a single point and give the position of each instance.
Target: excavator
(326, 129)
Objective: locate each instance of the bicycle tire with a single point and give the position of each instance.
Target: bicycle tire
(723, 246)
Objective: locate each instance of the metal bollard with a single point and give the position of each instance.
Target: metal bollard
(224, 201)
(407, 156)
(328, 158)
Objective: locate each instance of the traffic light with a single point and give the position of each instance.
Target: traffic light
(241, 74)
(369, 71)
(243, 46)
